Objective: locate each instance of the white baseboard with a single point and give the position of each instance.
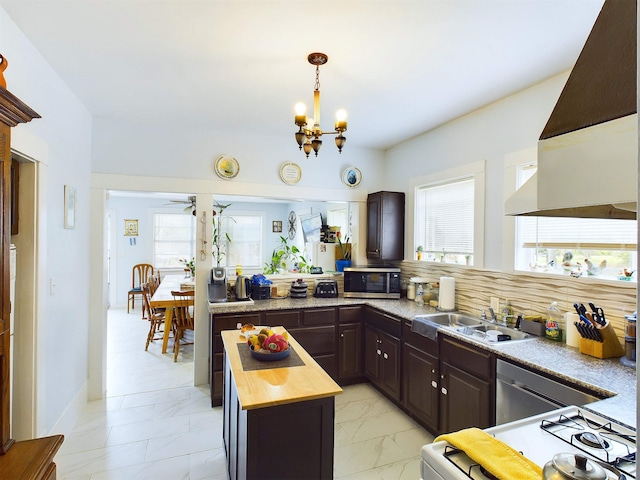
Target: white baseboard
(70, 416)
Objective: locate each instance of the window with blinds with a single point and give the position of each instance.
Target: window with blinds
(445, 221)
(575, 246)
(173, 239)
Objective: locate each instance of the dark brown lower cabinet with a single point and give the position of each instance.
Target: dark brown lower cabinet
(467, 386)
(350, 353)
(285, 442)
(382, 360)
(420, 385)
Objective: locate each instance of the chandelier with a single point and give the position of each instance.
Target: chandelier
(309, 133)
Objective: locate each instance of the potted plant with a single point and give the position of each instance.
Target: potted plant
(218, 248)
(344, 250)
(189, 266)
(285, 255)
(419, 251)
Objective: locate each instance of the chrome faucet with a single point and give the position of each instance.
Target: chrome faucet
(483, 314)
(493, 318)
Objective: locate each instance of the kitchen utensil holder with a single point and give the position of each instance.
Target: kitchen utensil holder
(610, 346)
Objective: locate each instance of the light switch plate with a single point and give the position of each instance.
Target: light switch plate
(495, 304)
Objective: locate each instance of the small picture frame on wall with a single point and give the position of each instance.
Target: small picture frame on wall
(69, 207)
(276, 226)
(131, 228)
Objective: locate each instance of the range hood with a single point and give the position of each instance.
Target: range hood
(588, 150)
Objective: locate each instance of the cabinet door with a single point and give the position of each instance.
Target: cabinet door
(372, 353)
(374, 209)
(420, 385)
(465, 400)
(349, 351)
(390, 365)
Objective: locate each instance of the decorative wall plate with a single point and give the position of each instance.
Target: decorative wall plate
(292, 225)
(351, 177)
(226, 166)
(290, 173)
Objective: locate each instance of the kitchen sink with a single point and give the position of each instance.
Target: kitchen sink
(491, 333)
(451, 319)
(474, 327)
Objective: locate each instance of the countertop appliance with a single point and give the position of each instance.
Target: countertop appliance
(521, 393)
(243, 287)
(218, 285)
(566, 430)
(372, 282)
(326, 289)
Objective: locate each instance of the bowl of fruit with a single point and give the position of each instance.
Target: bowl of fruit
(268, 346)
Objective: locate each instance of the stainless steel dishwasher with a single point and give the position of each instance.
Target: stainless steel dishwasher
(521, 393)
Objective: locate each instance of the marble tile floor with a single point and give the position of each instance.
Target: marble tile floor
(154, 424)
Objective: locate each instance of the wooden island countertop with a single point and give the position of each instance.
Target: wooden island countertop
(268, 387)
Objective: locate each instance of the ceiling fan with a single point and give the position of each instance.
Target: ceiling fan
(190, 202)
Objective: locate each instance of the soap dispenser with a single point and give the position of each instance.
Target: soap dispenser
(507, 315)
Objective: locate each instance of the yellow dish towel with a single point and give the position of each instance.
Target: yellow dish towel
(498, 458)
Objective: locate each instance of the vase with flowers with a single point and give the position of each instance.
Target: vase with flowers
(189, 267)
(344, 250)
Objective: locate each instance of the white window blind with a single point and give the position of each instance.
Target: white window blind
(245, 232)
(445, 217)
(173, 239)
(543, 242)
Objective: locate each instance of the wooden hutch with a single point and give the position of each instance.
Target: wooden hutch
(29, 459)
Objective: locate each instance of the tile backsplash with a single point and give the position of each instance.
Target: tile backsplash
(529, 293)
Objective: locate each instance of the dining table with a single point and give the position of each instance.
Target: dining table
(162, 298)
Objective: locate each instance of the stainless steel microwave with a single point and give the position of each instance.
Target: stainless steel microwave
(371, 282)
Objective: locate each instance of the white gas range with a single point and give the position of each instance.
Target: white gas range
(539, 438)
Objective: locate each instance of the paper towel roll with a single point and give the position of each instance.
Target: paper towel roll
(571, 332)
(447, 300)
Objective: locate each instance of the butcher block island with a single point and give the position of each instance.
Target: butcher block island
(278, 416)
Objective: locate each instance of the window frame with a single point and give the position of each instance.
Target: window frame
(474, 170)
(152, 238)
(513, 162)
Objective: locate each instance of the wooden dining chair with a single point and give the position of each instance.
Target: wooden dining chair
(182, 319)
(156, 317)
(139, 275)
(154, 283)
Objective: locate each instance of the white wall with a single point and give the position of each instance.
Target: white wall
(189, 151)
(62, 139)
(512, 124)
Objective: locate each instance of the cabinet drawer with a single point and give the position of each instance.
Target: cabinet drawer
(350, 314)
(316, 340)
(383, 321)
(419, 341)
(319, 316)
(230, 321)
(286, 318)
(465, 357)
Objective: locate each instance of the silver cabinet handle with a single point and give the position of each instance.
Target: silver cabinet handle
(443, 390)
(385, 356)
(434, 384)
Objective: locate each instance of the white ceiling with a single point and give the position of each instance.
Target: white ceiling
(398, 67)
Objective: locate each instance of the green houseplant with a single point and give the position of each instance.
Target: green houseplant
(283, 256)
(218, 249)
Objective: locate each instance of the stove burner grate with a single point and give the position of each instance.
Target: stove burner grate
(474, 471)
(596, 439)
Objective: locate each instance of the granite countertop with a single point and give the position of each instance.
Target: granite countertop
(605, 377)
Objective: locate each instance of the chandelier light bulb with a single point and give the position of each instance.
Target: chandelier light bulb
(300, 108)
(341, 115)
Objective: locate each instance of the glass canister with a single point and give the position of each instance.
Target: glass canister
(630, 337)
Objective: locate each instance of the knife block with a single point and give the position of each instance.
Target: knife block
(610, 346)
